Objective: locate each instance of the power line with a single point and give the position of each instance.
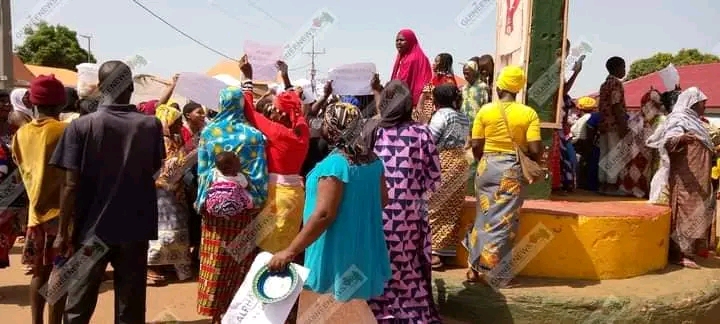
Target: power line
(227, 14)
(267, 14)
(183, 33)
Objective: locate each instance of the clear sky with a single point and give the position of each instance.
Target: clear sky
(365, 30)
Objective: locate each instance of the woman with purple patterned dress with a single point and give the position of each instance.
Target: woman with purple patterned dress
(412, 172)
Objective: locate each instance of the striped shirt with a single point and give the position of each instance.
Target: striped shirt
(450, 128)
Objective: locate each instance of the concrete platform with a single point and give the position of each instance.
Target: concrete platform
(586, 236)
(673, 295)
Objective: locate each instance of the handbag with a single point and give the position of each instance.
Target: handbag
(532, 171)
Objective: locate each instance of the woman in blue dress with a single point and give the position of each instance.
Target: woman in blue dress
(342, 235)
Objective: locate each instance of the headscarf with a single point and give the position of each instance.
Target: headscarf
(395, 108)
(289, 103)
(587, 103)
(682, 120)
(412, 67)
(343, 123)
(512, 79)
(229, 131)
(16, 99)
(351, 100)
(167, 115)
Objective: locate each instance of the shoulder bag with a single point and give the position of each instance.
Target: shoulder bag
(532, 171)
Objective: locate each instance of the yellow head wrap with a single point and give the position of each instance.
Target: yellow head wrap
(586, 103)
(167, 115)
(511, 79)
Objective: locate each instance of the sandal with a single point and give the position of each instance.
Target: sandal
(688, 263)
(474, 277)
(155, 279)
(436, 262)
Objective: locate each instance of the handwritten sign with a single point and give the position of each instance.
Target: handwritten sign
(200, 88)
(228, 80)
(352, 79)
(263, 58)
(245, 308)
(670, 77)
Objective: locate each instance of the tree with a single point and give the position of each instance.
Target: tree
(659, 61)
(53, 46)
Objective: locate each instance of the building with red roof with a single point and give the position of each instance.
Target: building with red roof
(703, 76)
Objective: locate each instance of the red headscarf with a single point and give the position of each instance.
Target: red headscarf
(290, 103)
(412, 67)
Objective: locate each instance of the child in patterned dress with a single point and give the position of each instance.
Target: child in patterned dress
(228, 195)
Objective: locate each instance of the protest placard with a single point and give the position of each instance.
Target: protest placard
(352, 79)
(245, 308)
(670, 77)
(200, 88)
(263, 58)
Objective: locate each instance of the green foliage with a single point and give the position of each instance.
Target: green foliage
(659, 61)
(53, 46)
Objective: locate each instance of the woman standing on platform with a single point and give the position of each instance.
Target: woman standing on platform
(443, 74)
(220, 273)
(449, 127)
(685, 142)
(478, 71)
(411, 66)
(498, 129)
(412, 172)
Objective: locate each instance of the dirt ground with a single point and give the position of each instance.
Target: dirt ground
(174, 303)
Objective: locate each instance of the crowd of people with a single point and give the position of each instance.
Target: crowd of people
(377, 183)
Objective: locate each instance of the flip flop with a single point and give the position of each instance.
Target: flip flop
(688, 263)
(437, 263)
(155, 280)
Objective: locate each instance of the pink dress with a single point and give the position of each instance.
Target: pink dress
(412, 171)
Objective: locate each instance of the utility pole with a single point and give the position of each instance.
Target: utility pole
(7, 78)
(313, 71)
(88, 37)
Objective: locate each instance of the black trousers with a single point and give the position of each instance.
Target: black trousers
(130, 264)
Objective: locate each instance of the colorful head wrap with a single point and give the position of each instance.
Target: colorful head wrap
(586, 103)
(512, 79)
(167, 115)
(351, 100)
(343, 123)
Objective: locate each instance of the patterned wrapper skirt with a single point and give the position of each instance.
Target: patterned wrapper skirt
(446, 203)
(499, 187)
(221, 273)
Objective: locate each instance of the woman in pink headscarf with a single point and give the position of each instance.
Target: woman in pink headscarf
(412, 66)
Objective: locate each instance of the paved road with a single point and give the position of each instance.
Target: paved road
(174, 303)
